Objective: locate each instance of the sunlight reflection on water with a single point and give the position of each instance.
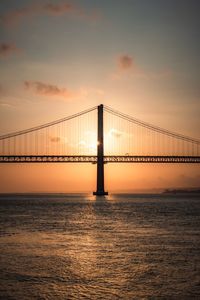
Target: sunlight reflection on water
(83, 247)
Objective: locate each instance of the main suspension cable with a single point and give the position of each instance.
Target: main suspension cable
(17, 133)
(150, 126)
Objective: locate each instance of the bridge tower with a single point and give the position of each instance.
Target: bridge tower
(100, 155)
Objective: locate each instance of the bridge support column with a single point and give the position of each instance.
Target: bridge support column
(100, 155)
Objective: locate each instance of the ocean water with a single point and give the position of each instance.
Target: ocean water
(82, 247)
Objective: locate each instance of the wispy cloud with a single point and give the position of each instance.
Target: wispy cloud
(8, 49)
(125, 62)
(115, 133)
(125, 65)
(57, 9)
(6, 105)
(55, 139)
(49, 90)
(55, 92)
(64, 8)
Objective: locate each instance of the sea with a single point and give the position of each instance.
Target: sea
(78, 246)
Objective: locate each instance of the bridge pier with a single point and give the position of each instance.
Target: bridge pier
(100, 155)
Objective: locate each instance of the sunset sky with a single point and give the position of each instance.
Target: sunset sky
(140, 57)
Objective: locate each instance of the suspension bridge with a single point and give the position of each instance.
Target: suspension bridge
(98, 135)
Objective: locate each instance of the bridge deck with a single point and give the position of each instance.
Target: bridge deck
(93, 159)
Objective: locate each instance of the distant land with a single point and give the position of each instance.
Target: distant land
(182, 191)
(158, 190)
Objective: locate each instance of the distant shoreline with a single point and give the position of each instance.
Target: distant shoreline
(181, 191)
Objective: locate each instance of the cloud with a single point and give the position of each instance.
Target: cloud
(6, 105)
(86, 91)
(55, 139)
(125, 65)
(16, 16)
(7, 49)
(57, 9)
(125, 62)
(55, 92)
(115, 133)
(48, 90)
(82, 143)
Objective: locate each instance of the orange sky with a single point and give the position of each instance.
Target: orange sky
(57, 60)
(82, 177)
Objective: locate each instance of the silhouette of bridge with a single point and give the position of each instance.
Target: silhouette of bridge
(98, 135)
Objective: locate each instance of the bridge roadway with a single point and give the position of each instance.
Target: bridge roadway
(93, 159)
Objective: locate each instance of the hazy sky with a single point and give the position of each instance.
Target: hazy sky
(140, 57)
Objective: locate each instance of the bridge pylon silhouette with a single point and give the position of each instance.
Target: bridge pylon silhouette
(100, 154)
